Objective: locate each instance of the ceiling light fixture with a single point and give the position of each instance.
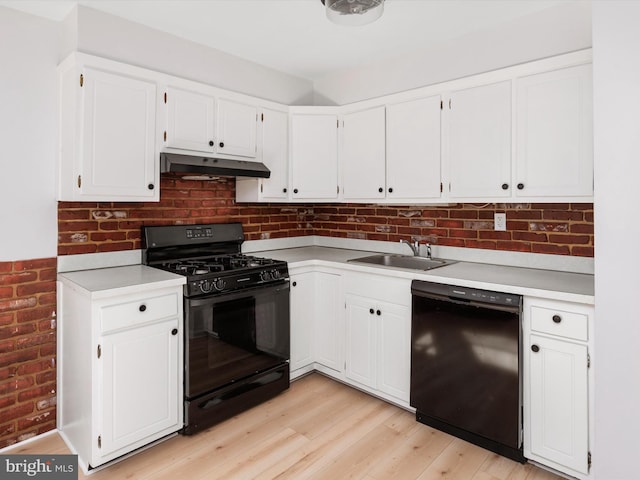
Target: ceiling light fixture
(353, 12)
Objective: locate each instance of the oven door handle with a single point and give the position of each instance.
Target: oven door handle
(247, 292)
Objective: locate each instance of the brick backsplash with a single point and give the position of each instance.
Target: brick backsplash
(27, 349)
(563, 228)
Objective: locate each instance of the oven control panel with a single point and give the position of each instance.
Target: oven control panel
(232, 282)
(199, 233)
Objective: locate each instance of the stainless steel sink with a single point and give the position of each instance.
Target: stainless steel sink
(404, 261)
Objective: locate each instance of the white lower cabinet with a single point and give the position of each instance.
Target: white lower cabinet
(302, 301)
(361, 337)
(316, 322)
(120, 361)
(139, 384)
(378, 334)
(556, 385)
(354, 327)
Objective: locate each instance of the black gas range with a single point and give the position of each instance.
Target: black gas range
(236, 309)
(209, 256)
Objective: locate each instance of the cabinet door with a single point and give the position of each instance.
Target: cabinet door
(314, 156)
(275, 148)
(328, 328)
(479, 141)
(555, 133)
(394, 350)
(117, 155)
(236, 128)
(139, 384)
(558, 415)
(190, 120)
(303, 288)
(363, 154)
(360, 348)
(413, 149)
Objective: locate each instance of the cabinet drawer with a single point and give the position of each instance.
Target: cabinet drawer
(137, 311)
(385, 289)
(563, 323)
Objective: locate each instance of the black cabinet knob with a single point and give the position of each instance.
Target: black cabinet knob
(284, 190)
(556, 319)
(142, 307)
(151, 186)
(295, 190)
(505, 186)
(378, 312)
(174, 331)
(380, 190)
(371, 311)
(221, 144)
(211, 143)
(390, 190)
(535, 348)
(294, 284)
(520, 186)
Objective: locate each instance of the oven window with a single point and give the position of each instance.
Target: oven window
(235, 335)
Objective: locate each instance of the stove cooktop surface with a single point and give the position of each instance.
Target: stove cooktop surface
(225, 273)
(209, 255)
(217, 264)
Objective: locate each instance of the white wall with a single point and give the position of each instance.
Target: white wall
(543, 34)
(31, 50)
(616, 70)
(28, 129)
(113, 37)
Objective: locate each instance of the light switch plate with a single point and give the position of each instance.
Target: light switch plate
(500, 221)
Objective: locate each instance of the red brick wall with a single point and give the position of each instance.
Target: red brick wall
(27, 349)
(565, 229)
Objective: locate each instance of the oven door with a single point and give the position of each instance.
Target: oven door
(235, 335)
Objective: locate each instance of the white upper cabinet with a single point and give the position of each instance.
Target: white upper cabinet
(522, 133)
(363, 154)
(273, 151)
(554, 131)
(479, 142)
(107, 132)
(413, 149)
(190, 120)
(237, 124)
(201, 122)
(314, 156)
(274, 138)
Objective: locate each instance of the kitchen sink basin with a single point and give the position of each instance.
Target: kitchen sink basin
(404, 261)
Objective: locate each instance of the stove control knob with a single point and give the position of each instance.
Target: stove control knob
(219, 284)
(205, 286)
(276, 274)
(265, 276)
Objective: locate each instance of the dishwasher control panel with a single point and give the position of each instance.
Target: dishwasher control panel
(453, 292)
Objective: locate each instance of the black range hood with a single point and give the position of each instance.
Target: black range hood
(175, 162)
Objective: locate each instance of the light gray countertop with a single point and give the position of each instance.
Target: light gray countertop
(107, 282)
(565, 286)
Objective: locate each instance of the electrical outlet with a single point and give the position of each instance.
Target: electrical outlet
(500, 221)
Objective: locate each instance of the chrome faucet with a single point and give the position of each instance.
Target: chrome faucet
(428, 245)
(415, 247)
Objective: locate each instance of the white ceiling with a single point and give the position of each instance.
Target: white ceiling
(294, 36)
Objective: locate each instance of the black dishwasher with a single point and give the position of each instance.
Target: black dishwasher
(466, 364)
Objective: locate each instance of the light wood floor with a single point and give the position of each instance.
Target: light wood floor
(318, 429)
